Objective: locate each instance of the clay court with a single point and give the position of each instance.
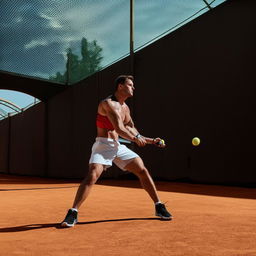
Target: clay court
(118, 219)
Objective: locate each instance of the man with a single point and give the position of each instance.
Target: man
(114, 120)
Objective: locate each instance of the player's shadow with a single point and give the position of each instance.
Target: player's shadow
(28, 227)
(57, 225)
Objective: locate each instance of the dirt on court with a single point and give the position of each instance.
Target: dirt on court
(118, 219)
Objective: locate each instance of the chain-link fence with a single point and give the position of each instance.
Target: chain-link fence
(66, 41)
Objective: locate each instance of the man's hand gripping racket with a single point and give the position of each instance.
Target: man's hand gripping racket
(159, 142)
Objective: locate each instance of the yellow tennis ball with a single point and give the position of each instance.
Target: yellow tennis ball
(196, 141)
(160, 142)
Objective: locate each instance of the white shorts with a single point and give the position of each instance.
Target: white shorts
(106, 150)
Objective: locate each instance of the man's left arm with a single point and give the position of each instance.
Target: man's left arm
(132, 129)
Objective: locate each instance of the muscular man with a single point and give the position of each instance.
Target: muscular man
(114, 120)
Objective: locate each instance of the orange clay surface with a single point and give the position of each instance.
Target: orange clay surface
(118, 219)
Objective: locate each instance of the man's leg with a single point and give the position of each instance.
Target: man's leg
(85, 187)
(137, 167)
(83, 191)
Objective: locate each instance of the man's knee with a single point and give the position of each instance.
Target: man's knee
(141, 171)
(92, 176)
(91, 179)
(137, 167)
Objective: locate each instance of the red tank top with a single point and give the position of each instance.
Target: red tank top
(103, 122)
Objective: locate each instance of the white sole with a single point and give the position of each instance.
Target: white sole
(163, 217)
(66, 225)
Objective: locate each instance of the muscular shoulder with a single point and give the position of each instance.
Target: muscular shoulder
(108, 105)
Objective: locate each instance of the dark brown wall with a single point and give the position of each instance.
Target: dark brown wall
(197, 81)
(200, 81)
(71, 129)
(4, 145)
(27, 150)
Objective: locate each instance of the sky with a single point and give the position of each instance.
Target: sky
(35, 35)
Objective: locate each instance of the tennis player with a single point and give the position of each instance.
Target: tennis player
(114, 120)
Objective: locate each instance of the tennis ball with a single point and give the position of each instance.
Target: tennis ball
(161, 142)
(195, 141)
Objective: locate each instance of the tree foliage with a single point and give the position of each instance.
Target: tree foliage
(77, 69)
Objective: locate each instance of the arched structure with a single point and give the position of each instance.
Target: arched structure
(10, 104)
(38, 88)
(3, 113)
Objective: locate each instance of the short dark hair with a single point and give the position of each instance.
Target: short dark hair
(121, 80)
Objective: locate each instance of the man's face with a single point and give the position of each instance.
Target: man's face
(128, 87)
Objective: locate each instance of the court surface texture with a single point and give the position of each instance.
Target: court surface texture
(118, 219)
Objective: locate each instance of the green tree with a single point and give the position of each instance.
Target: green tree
(72, 67)
(77, 69)
(91, 56)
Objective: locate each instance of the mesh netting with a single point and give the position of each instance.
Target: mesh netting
(67, 40)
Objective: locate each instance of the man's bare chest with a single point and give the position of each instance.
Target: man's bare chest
(123, 112)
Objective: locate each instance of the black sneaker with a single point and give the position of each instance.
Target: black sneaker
(70, 219)
(162, 212)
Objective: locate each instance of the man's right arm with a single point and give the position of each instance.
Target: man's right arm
(115, 118)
